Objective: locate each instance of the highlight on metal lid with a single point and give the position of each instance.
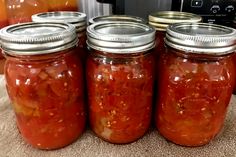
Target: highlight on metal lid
(201, 38)
(107, 18)
(120, 38)
(160, 20)
(37, 38)
(78, 19)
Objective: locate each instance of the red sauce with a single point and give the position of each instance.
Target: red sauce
(120, 96)
(2, 59)
(63, 5)
(15, 20)
(3, 23)
(234, 58)
(24, 10)
(64, 8)
(47, 97)
(194, 96)
(160, 44)
(82, 47)
(159, 49)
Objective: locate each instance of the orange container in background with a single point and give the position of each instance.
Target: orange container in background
(20, 11)
(62, 5)
(3, 14)
(3, 23)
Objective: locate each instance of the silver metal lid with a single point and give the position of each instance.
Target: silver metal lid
(160, 20)
(201, 38)
(108, 18)
(76, 18)
(120, 38)
(37, 38)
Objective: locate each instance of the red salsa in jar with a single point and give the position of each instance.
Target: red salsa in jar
(120, 80)
(63, 5)
(234, 57)
(21, 11)
(44, 83)
(196, 82)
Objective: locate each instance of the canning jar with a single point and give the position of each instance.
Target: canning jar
(160, 20)
(127, 18)
(196, 82)
(63, 5)
(3, 23)
(75, 18)
(120, 79)
(234, 26)
(44, 82)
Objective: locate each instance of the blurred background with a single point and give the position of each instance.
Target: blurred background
(213, 11)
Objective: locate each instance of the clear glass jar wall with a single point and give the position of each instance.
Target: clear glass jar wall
(196, 82)
(120, 68)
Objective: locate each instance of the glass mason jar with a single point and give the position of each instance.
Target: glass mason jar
(3, 23)
(20, 11)
(196, 82)
(120, 79)
(107, 18)
(234, 26)
(75, 18)
(160, 20)
(44, 82)
(63, 5)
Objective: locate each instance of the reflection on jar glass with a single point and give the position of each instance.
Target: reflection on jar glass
(45, 83)
(20, 11)
(63, 5)
(196, 82)
(120, 80)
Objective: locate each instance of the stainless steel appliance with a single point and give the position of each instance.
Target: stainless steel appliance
(213, 11)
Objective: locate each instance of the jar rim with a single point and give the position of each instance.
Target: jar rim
(77, 19)
(201, 38)
(37, 38)
(120, 37)
(161, 19)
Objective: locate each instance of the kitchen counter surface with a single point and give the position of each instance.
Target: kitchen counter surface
(88, 145)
